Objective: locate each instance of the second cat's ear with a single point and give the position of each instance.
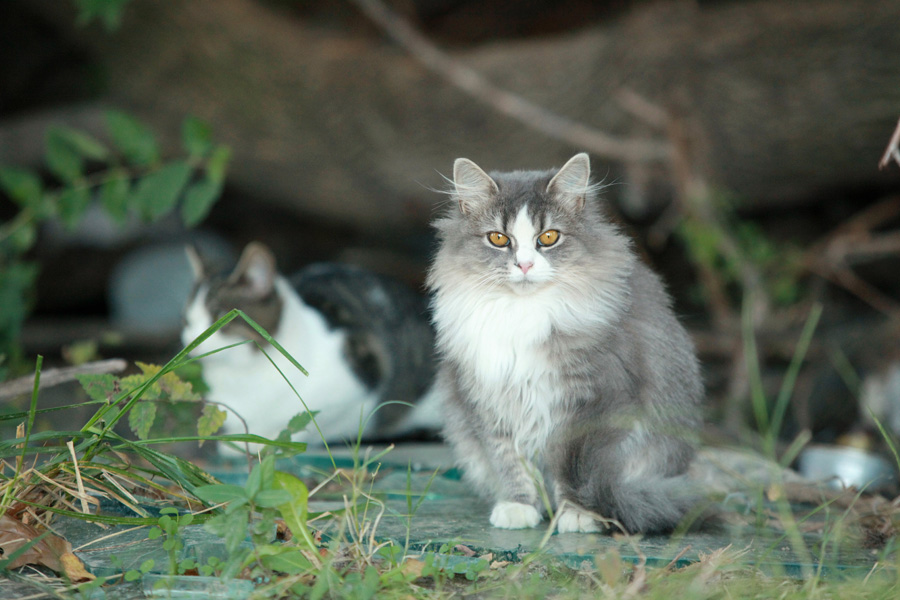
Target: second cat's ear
(571, 184)
(255, 270)
(473, 186)
(196, 262)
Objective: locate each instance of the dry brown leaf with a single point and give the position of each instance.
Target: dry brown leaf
(74, 568)
(412, 566)
(14, 534)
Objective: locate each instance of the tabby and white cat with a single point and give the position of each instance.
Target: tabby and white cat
(562, 363)
(363, 338)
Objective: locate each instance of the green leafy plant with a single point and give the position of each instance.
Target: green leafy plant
(126, 176)
(251, 511)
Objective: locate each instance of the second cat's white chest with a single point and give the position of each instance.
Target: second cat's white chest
(244, 379)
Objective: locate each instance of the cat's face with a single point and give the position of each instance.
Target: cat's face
(523, 230)
(250, 288)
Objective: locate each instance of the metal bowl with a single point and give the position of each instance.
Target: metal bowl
(843, 466)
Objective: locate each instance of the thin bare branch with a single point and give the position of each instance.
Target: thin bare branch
(52, 377)
(503, 101)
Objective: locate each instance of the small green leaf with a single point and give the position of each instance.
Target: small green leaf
(300, 421)
(154, 533)
(84, 144)
(132, 575)
(157, 193)
(22, 185)
(147, 565)
(73, 202)
(271, 498)
(211, 420)
(62, 160)
(132, 138)
(254, 481)
(108, 11)
(196, 135)
(220, 493)
(22, 238)
(141, 418)
(218, 164)
(294, 511)
(232, 527)
(99, 387)
(289, 561)
(198, 200)
(261, 477)
(114, 195)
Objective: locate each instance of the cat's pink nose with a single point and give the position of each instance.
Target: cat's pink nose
(525, 266)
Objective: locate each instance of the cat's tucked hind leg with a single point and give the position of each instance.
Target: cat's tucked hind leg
(514, 515)
(574, 519)
(640, 486)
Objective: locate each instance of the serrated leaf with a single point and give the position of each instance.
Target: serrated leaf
(157, 193)
(22, 185)
(211, 420)
(220, 493)
(300, 421)
(196, 135)
(198, 200)
(141, 417)
(73, 203)
(217, 164)
(132, 138)
(62, 160)
(114, 195)
(82, 143)
(99, 387)
(169, 387)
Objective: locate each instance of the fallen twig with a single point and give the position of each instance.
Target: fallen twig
(52, 377)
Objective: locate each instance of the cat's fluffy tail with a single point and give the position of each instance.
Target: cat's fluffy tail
(651, 505)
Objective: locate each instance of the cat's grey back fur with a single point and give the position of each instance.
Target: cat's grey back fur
(607, 407)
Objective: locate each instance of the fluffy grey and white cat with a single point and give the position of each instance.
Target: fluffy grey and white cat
(363, 338)
(562, 363)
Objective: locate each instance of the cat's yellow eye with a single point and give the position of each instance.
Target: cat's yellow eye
(548, 238)
(498, 239)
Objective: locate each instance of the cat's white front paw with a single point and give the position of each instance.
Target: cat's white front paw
(514, 515)
(573, 519)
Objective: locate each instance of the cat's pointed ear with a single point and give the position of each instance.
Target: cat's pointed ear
(255, 270)
(196, 262)
(572, 183)
(473, 186)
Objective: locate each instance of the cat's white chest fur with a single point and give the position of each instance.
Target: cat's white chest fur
(244, 379)
(501, 339)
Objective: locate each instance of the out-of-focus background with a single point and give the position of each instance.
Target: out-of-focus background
(741, 141)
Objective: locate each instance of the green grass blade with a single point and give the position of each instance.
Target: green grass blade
(4, 503)
(758, 396)
(790, 377)
(179, 359)
(265, 335)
